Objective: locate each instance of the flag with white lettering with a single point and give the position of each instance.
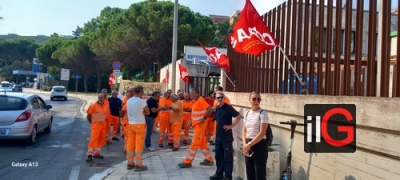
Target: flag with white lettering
(184, 73)
(250, 34)
(166, 77)
(111, 80)
(217, 57)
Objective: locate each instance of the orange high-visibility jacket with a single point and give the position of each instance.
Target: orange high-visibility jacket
(199, 110)
(187, 104)
(98, 112)
(164, 114)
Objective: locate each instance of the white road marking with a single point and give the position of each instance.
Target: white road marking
(74, 173)
(78, 155)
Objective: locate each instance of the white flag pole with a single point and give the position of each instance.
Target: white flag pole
(223, 70)
(294, 70)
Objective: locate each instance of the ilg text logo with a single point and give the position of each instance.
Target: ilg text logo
(330, 128)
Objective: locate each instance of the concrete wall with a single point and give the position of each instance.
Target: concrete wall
(378, 137)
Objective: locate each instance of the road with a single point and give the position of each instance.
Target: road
(60, 154)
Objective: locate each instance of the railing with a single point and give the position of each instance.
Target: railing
(347, 43)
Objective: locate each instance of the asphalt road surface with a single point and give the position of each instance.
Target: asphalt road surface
(60, 154)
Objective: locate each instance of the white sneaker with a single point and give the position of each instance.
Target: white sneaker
(150, 148)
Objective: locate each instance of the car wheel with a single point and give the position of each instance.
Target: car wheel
(51, 99)
(65, 99)
(48, 129)
(32, 139)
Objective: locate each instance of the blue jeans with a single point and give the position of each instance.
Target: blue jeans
(150, 124)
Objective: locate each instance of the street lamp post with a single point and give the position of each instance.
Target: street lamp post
(174, 45)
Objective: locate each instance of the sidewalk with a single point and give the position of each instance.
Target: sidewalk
(163, 164)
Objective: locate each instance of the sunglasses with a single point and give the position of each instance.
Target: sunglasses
(256, 99)
(220, 97)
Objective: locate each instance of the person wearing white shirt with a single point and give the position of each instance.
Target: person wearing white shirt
(136, 109)
(255, 146)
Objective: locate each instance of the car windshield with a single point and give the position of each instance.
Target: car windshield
(5, 85)
(8, 103)
(59, 89)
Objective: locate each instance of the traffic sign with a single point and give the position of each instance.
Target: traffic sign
(64, 74)
(116, 65)
(116, 73)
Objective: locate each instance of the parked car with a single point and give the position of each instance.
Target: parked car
(23, 116)
(5, 86)
(59, 92)
(17, 88)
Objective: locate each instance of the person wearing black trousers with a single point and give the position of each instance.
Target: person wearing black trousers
(255, 148)
(224, 138)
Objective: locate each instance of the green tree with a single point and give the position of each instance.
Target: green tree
(143, 35)
(45, 54)
(221, 34)
(76, 55)
(16, 54)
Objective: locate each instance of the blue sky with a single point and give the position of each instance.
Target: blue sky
(44, 17)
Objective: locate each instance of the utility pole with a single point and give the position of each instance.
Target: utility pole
(174, 45)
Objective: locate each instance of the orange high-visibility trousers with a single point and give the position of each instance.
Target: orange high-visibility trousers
(107, 129)
(170, 134)
(198, 141)
(209, 129)
(97, 135)
(114, 120)
(125, 131)
(177, 131)
(185, 123)
(134, 148)
(164, 126)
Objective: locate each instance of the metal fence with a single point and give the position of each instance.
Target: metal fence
(337, 49)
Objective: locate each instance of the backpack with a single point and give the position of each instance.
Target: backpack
(269, 134)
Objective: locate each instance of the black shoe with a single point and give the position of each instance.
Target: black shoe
(98, 156)
(184, 141)
(213, 150)
(216, 177)
(130, 166)
(175, 149)
(89, 158)
(140, 168)
(211, 143)
(115, 139)
(160, 145)
(206, 163)
(184, 165)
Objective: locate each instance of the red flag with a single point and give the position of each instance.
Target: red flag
(184, 73)
(217, 57)
(111, 80)
(166, 77)
(250, 34)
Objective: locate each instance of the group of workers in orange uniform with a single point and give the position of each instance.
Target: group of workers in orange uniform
(174, 113)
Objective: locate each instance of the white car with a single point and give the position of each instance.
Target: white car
(59, 92)
(5, 86)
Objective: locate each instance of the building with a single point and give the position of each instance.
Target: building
(233, 16)
(218, 18)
